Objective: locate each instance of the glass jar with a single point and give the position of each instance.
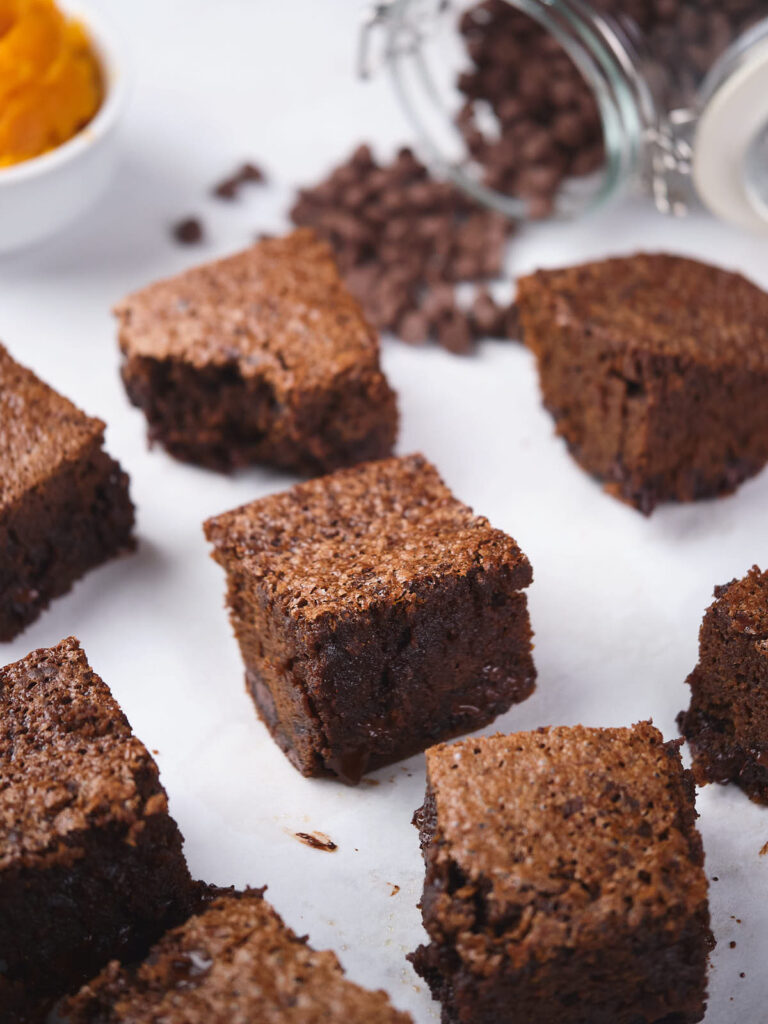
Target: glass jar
(552, 107)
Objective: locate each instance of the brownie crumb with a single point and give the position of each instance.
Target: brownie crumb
(317, 841)
(188, 231)
(763, 850)
(248, 173)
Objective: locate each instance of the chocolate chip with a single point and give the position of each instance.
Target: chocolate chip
(487, 316)
(454, 333)
(229, 188)
(188, 231)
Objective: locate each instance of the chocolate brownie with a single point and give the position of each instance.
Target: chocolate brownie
(261, 357)
(91, 865)
(726, 724)
(656, 370)
(234, 961)
(375, 614)
(64, 505)
(564, 880)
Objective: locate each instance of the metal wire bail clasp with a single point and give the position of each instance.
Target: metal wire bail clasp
(405, 24)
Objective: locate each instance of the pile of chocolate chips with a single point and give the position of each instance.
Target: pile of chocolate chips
(547, 125)
(403, 240)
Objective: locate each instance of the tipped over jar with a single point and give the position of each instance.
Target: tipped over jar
(548, 108)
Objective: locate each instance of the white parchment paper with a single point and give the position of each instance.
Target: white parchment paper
(617, 599)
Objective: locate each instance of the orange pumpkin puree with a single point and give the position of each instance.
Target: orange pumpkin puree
(50, 79)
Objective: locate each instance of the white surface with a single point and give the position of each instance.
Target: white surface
(617, 599)
(41, 196)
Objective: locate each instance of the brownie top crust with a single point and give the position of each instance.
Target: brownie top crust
(68, 759)
(279, 311)
(39, 430)
(567, 831)
(235, 961)
(372, 533)
(745, 603)
(661, 304)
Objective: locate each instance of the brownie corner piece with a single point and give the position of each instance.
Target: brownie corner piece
(64, 502)
(91, 863)
(564, 878)
(234, 960)
(726, 724)
(376, 615)
(655, 369)
(262, 357)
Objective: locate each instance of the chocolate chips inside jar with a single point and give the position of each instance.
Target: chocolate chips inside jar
(553, 110)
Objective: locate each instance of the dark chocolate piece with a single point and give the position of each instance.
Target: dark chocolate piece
(91, 865)
(261, 357)
(64, 504)
(655, 368)
(564, 880)
(726, 724)
(188, 231)
(375, 614)
(234, 961)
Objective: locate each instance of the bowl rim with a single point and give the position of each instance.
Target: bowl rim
(110, 55)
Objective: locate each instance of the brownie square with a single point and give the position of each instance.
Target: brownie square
(726, 724)
(91, 865)
(64, 505)
(261, 357)
(375, 614)
(564, 880)
(234, 961)
(655, 369)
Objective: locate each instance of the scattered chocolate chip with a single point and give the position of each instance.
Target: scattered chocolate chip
(230, 187)
(188, 231)
(454, 333)
(488, 318)
(732, 944)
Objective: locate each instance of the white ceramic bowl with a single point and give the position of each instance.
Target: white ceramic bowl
(42, 195)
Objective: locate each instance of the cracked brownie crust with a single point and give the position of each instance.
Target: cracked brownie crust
(260, 357)
(655, 369)
(375, 613)
(64, 504)
(726, 724)
(234, 961)
(564, 880)
(91, 865)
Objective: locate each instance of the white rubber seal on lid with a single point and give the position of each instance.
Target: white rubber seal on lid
(731, 121)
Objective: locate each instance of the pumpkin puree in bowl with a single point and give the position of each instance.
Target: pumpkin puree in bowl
(50, 79)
